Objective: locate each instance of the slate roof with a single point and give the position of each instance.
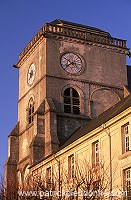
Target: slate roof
(94, 123)
(88, 28)
(101, 119)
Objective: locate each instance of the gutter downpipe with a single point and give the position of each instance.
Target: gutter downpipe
(107, 130)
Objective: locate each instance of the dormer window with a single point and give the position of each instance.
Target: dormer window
(71, 101)
(31, 111)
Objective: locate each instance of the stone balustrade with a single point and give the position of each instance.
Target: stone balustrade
(76, 33)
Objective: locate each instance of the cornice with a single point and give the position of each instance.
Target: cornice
(113, 87)
(30, 49)
(71, 34)
(110, 46)
(87, 82)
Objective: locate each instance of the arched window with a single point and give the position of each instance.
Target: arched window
(31, 111)
(26, 177)
(71, 101)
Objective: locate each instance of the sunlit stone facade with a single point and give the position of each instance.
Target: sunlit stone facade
(69, 74)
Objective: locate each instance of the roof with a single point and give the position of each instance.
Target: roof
(81, 26)
(101, 119)
(95, 123)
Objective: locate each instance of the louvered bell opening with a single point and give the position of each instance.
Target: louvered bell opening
(76, 110)
(67, 100)
(71, 101)
(76, 101)
(67, 92)
(76, 106)
(67, 108)
(75, 93)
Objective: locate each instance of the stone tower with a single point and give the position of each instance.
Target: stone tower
(68, 74)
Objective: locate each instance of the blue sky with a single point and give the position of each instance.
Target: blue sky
(19, 22)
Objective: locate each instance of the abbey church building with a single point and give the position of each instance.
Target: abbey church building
(69, 75)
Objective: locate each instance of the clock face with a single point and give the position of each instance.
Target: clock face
(31, 74)
(71, 63)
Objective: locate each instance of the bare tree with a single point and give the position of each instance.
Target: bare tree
(89, 182)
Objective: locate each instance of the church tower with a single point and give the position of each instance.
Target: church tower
(68, 74)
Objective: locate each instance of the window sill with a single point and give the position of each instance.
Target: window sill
(125, 155)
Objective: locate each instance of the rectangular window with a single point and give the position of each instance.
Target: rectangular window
(125, 138)
(71, 166)
(128, 183)
(95, 153)
(48, 176)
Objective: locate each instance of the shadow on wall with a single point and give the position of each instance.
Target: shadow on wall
(101, 100)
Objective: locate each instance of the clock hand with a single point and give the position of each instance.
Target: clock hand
(73, 64)
(69, 63)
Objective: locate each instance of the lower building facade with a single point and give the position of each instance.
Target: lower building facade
(95, 162)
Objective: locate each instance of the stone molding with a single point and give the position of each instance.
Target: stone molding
(73, 35)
